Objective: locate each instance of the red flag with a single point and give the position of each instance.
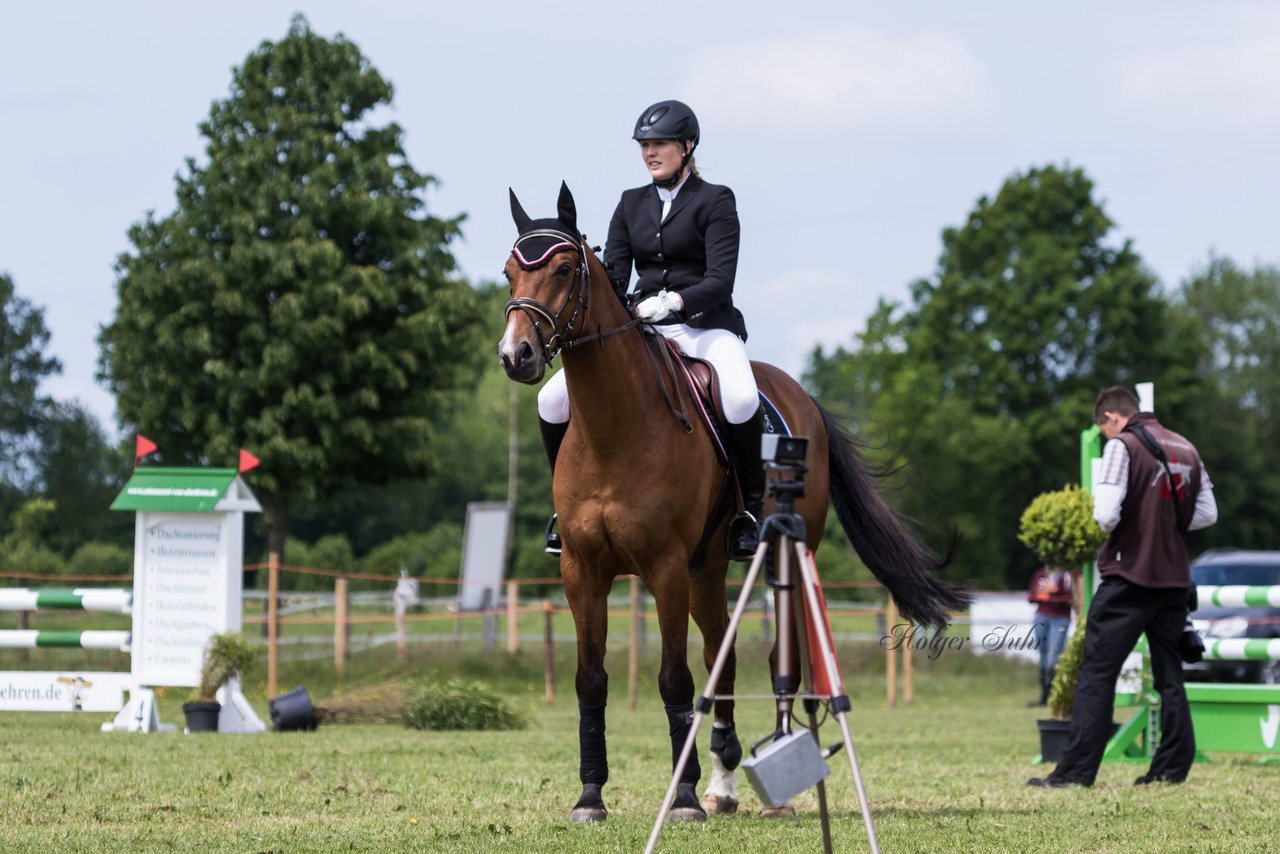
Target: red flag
(141, 447)
(247, 461)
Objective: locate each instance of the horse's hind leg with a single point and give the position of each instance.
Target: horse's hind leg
(709, 608)
(590, 618)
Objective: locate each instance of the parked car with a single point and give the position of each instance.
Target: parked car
(1236, 567)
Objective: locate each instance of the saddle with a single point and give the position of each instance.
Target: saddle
(680, 375)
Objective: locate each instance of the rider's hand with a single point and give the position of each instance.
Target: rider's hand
(655, 308)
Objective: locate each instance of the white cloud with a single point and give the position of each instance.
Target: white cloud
(837, 80)
(1236, 83)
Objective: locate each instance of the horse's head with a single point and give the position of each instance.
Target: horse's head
(548, 275)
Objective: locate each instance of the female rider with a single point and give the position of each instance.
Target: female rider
(681, 233)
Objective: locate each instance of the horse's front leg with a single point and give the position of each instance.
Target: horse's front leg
(709, 608)
(588, 602)
(670, 588)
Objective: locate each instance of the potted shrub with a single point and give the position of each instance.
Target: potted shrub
(1060, 529)
(226, 657)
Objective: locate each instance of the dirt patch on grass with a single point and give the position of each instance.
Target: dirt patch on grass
(382, 703)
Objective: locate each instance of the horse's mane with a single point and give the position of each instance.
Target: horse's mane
(595, 261)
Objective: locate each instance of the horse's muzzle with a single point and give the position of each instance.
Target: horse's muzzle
(521, 362)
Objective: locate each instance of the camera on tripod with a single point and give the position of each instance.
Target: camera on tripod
(784, 451)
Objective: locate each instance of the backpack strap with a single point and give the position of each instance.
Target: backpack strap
(1148, 441)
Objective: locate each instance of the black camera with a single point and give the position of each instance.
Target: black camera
(783, 450)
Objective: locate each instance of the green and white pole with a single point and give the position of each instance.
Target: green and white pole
(1242, 649)
(1238, 596)
(66, 599)
(24, 639)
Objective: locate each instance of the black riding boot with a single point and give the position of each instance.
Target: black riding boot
(744, 444)
(552, 436)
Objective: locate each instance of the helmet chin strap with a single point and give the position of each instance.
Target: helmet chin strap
(670, 183)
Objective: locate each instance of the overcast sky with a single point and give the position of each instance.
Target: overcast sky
(852, 133)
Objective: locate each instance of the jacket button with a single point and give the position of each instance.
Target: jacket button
(660, 258)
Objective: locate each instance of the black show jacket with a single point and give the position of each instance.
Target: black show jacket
(693, 252)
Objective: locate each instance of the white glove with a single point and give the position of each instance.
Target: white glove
(655, 308)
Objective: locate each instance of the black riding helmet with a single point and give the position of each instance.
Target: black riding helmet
(669, 120)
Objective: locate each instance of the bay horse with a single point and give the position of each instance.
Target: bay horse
(634, 489)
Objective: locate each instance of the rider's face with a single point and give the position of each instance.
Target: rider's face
(662, 157)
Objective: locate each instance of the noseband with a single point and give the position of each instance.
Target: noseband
(560, 338)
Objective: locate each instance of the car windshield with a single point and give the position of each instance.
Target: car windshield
(1253, 575)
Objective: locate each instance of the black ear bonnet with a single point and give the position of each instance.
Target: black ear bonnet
(541, 239)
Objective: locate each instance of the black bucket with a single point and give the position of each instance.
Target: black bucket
(292, 711)
(201, 717)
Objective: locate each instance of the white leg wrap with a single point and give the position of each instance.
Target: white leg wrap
(723, 783)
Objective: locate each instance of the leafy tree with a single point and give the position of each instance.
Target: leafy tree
(472, 443)
(299, 301)
(82, 473)
(1234, 417)
(987, 378)
(23, 366)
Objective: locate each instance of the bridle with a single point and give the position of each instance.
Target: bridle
(579, 295)
(561, 337)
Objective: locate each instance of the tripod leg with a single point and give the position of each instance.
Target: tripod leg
(839, 701)
(707, 700)
(811, 705)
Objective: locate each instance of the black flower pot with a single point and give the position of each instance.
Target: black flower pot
(1053, 738)
(1054, 735)
(202, 717)
(292, 711)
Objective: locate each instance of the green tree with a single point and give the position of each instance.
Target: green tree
(987, 378)
(23, 366)
(1234, 418)
(82, 473)
(299, 301)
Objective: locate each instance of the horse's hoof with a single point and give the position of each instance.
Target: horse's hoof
(719, 805)
(590, 807)
(784, 811)
(686, 807)
(583, 814)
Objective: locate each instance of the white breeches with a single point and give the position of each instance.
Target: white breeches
(720, 347)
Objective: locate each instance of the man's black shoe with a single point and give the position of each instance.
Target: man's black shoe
(1051, 782)
(551, 545)
(1147, 779)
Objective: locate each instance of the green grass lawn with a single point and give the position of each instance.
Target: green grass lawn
(945, 774)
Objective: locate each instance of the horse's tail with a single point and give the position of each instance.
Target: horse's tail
(889, 549)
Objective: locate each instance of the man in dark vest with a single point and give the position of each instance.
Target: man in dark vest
(1152, 489)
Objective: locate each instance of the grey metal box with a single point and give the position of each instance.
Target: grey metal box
(785, 768)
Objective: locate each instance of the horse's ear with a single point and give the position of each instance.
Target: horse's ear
(567, 210)
(517, 212)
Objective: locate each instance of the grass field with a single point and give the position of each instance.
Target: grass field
(945, 774)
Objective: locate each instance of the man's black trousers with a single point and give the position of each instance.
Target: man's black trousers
(1120, 613)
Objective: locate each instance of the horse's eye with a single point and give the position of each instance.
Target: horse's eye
(564, 270)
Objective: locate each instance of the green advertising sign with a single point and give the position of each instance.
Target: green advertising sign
(192, 490)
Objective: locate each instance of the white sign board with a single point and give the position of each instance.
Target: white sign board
(186, 586)
(484, 554)
(34, 691)
(1001, 623)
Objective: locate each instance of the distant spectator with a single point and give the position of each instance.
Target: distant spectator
(1053, 590)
